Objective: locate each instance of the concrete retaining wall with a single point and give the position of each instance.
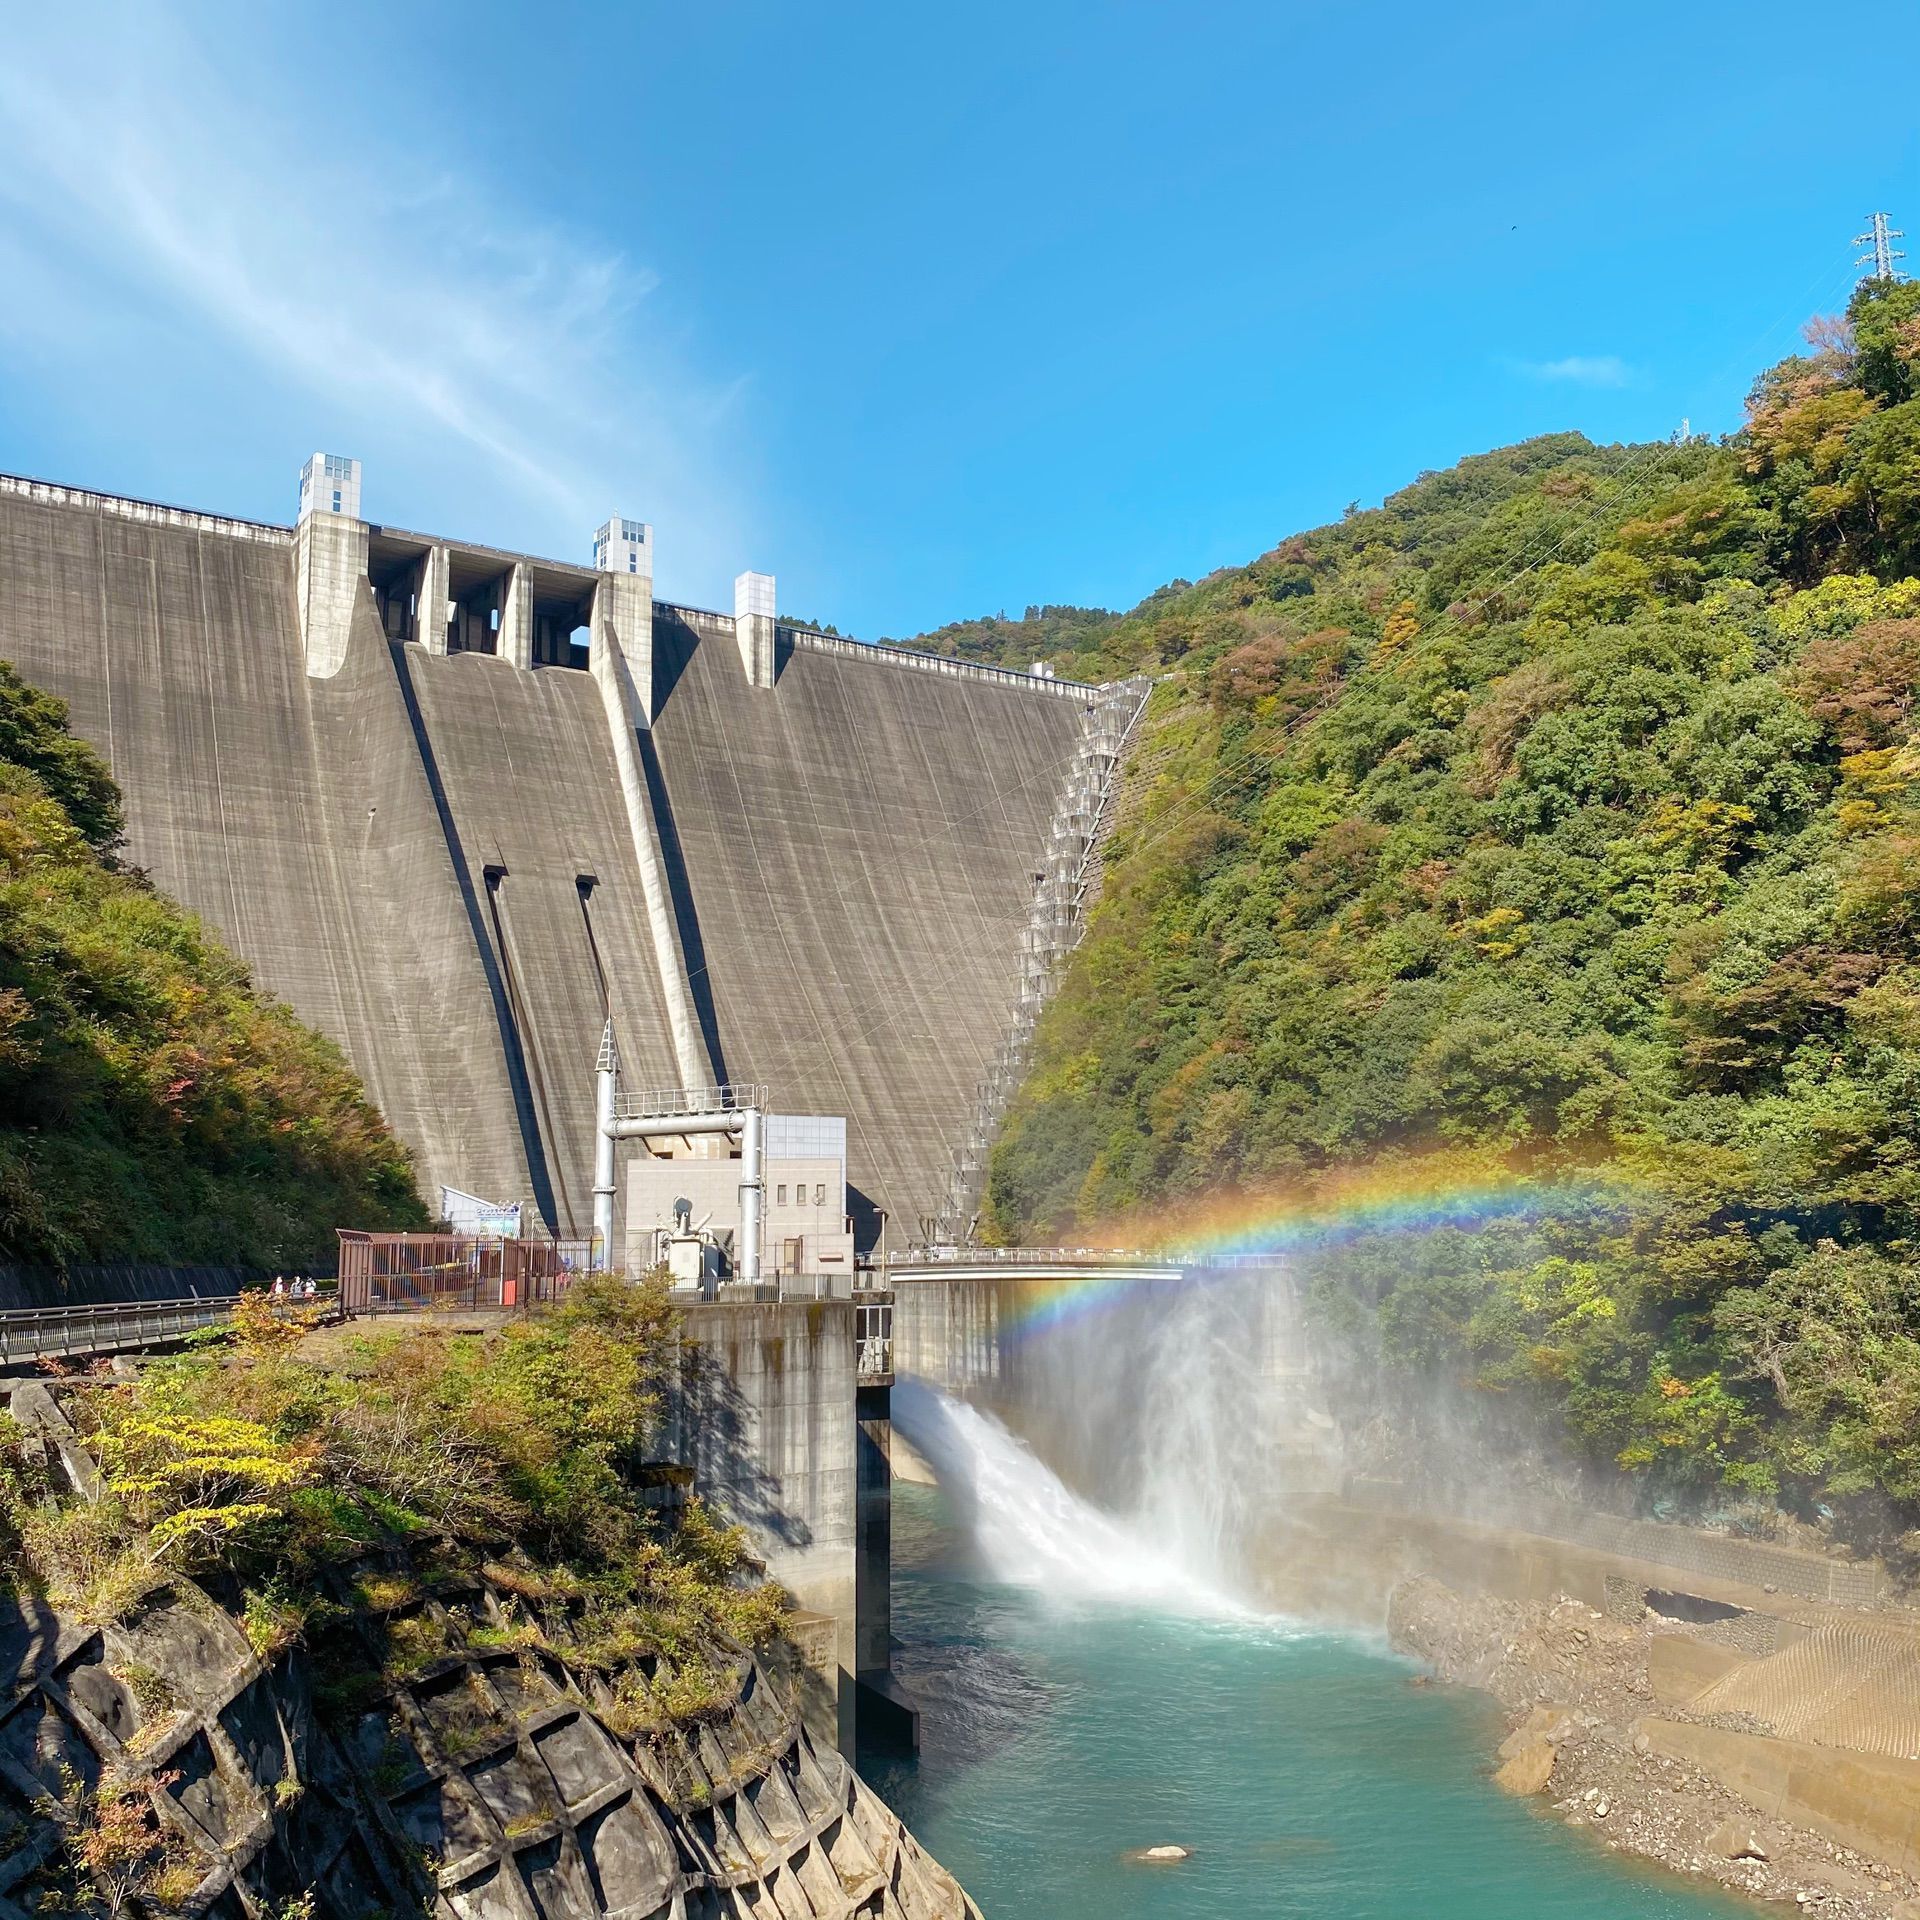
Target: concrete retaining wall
(768, 1412)
(1856, 1800)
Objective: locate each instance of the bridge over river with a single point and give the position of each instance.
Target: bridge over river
(950, 1264)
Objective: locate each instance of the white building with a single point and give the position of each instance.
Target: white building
(805, 1228)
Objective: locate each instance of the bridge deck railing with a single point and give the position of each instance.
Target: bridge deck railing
(1017, 1256)
(57, 1332)
(1092, 1258)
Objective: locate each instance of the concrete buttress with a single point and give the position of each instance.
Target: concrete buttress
(329, 570)
(516, 618)
(620, 658)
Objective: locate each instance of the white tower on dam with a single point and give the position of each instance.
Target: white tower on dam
(330, 483)
(623, 546)
(753, 623)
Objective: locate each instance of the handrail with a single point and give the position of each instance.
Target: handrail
(153, 513)
(666, 1103)
(817, 642)
(946, 663)
(1023, 1256)
(28, 1333)
(1090, 1257)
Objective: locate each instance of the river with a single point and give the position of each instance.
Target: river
(1081, 1698)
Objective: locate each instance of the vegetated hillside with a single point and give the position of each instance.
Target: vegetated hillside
(448, 1623)
(153, 1105)
(280, 1458)
(1052, 634)
(1559, 818)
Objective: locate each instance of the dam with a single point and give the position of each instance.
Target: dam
(462, 807)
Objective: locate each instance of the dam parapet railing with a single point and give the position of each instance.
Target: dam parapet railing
(153, 513)
(811, 640)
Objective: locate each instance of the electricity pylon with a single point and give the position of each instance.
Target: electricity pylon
(1880, 253)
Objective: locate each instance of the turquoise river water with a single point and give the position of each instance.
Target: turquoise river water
(1306, 1772)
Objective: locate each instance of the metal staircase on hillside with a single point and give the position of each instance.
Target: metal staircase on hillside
(1082, 816)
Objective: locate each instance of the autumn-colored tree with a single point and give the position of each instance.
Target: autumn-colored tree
(1861, 684)
(196, 1483)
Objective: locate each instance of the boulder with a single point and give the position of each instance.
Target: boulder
(1735, 1840)
(1527, 1769)
(1165, 1855)
(1557, 1726)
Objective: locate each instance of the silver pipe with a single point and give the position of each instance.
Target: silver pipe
(605, 1092)
(746, 1122)
(663, 1126)
(752, 1190)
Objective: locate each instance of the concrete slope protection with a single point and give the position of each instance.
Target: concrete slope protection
(430, 857)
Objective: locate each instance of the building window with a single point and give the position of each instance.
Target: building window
(779, 1196)
(336, 499)
(820, 1195)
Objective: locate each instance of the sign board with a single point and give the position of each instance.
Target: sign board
(468, 1213)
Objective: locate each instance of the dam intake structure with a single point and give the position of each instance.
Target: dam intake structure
(462, 807)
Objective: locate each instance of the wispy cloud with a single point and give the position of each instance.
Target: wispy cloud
(1581, 370)
(138, 178)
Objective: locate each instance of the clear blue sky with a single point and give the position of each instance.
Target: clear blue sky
(931, 311)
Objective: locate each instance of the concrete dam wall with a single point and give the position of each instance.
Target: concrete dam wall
(772, 857)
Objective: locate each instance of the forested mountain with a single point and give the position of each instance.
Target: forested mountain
(1040, 634)
(1554, 822)
(153, 1106)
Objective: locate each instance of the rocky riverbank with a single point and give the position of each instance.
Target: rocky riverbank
(1584, 1733)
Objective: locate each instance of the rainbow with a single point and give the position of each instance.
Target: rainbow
(1403, 1197)
(1396, 1198)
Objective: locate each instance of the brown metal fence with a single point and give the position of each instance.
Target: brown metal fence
(408, 1272)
